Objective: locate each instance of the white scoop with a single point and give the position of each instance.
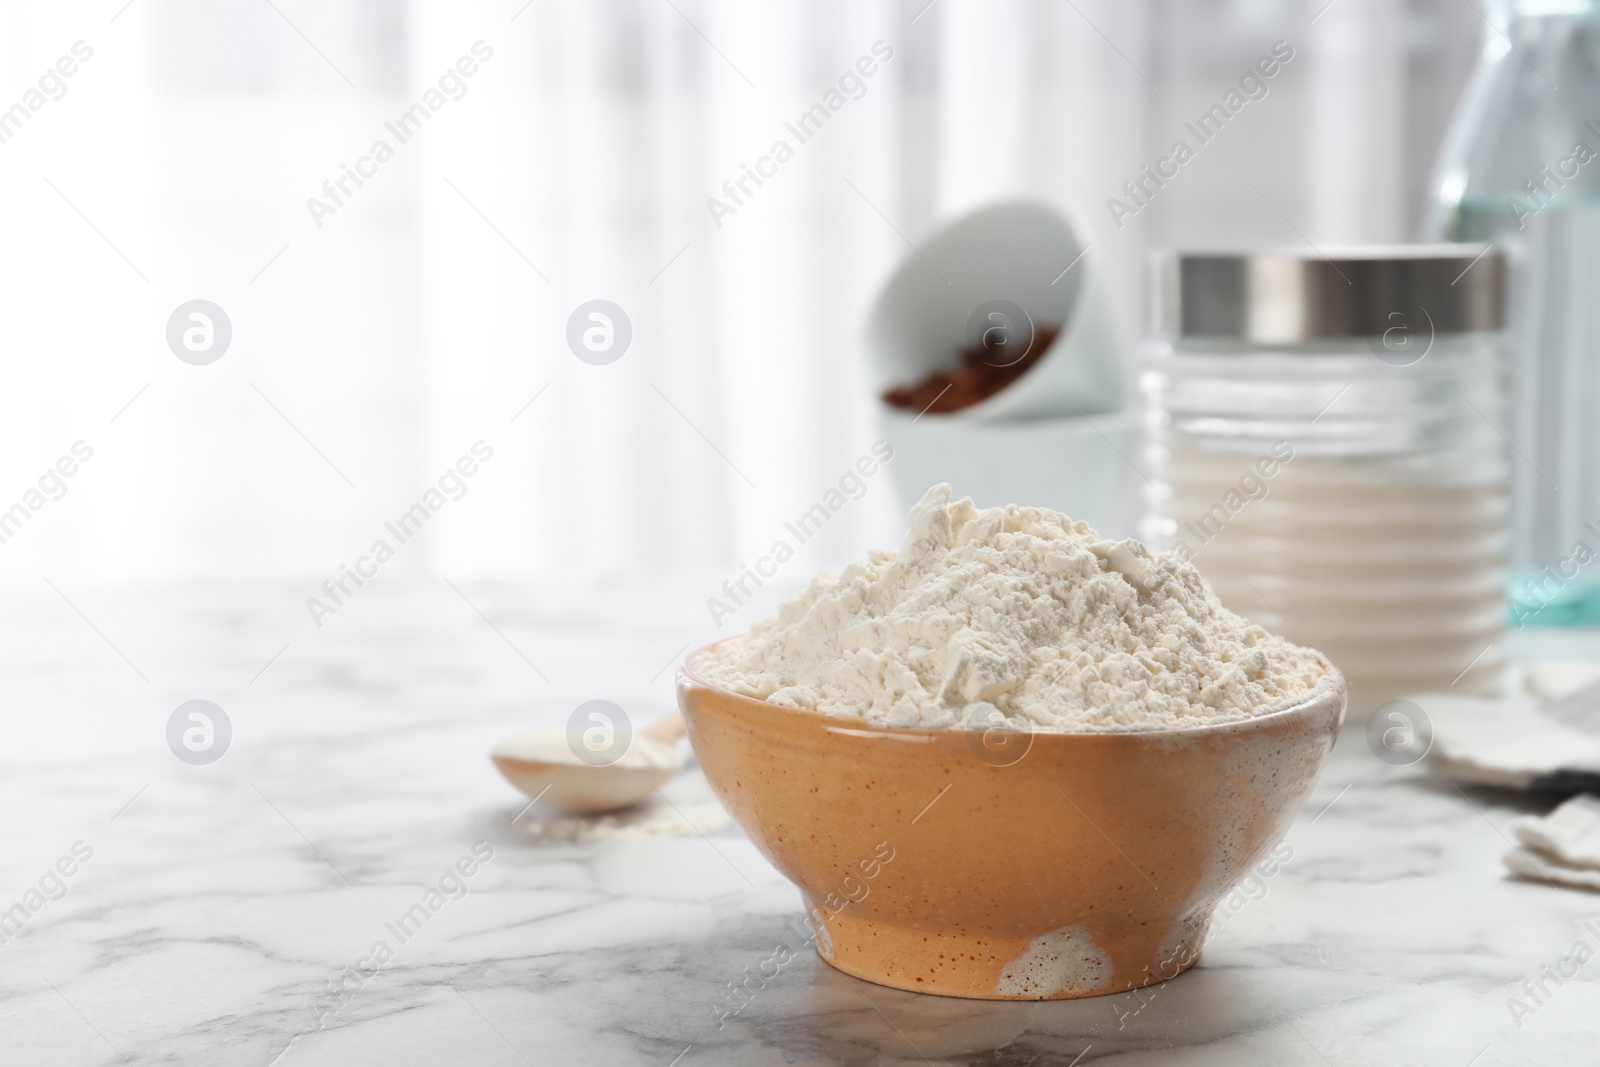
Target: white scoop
(541, 764)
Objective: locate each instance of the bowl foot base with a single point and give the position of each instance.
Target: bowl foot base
(1068, 962)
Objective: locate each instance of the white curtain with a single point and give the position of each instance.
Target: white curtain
(372, 351)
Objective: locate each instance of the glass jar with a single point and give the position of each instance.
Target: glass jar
(1327, 435)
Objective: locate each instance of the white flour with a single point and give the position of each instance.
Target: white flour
(1014, 612)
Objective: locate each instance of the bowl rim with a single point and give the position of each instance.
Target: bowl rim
(1333, 686)
(1095, 423)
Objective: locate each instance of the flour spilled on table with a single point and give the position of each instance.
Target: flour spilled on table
(685, 808)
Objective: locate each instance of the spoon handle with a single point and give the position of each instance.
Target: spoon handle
(668, 729)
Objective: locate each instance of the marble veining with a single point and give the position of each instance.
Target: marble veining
(221, 902)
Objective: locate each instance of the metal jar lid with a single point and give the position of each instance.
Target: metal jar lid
(1301, 296)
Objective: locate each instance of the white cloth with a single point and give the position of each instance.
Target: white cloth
(1563, 846)
(1550, 738)
(1554, 679)
(1506, 743)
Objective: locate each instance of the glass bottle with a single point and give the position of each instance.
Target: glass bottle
(1520, 168)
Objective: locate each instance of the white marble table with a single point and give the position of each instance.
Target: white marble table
(220, 902)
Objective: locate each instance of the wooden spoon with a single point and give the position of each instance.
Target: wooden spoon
(542, 765)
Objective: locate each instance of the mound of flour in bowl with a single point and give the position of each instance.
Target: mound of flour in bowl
(1016, 611)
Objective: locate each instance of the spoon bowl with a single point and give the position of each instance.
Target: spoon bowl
(542, 765)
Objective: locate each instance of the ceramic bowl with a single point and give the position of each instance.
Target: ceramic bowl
(1028, 254)
(1008, 866)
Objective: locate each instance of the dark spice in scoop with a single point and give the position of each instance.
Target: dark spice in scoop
(979, 377)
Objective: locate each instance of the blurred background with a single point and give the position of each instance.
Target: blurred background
(374, 344)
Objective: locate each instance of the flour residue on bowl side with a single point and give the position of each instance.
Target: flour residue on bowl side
(1063, 961)
(823, 937)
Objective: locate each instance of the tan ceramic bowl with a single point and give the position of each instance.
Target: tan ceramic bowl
(1008, 866)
